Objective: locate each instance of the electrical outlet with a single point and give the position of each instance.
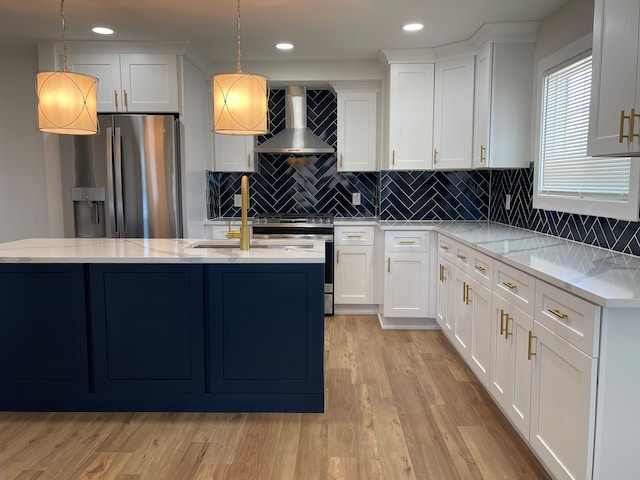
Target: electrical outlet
(507, 201)
(355, 199)
(237, 200)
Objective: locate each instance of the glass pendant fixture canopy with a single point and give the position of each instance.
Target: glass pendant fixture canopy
(240, 100)
(67, 100)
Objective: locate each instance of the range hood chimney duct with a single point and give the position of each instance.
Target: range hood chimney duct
(296, 137)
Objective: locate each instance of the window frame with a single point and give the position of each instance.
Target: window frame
(621, 210)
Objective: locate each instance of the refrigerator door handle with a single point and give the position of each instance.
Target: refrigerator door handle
(110, 184)
(117, 158)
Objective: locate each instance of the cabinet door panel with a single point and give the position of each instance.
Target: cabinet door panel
(234, 153)
(443, 290)
(499, 373)
(613, 89)
(563, 405)
(354, 275)
(462, 309)
(106, 68)
(519, 396)
(150, 82)
(43, 343)
(453, 113)
(406, 290)
(265, 328)
(148, 328)
(480, 348)
(357, 131)
(411, 116)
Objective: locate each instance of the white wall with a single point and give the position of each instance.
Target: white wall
(23, 187)
(568, 23)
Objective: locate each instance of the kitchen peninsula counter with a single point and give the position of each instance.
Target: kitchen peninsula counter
(157, 325)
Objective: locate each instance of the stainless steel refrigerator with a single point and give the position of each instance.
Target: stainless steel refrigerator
(124, 181)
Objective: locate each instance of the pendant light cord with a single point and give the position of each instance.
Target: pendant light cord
(64, 40)
(238, 65)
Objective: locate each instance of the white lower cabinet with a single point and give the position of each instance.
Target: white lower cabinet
(354, 265)
(445, 296)
(406, 285)
(407, 299)
(353, 276)
(535, 347)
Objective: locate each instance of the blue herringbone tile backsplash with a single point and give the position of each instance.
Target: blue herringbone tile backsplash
(619, 235)
(316, 186)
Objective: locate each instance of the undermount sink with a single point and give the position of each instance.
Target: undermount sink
(235, 244)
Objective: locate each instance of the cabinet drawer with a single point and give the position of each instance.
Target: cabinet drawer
(446, 246)
(354, 235)
(514, 286)
(462, 256)
(568, 316)
(481, 268)
(406, 241)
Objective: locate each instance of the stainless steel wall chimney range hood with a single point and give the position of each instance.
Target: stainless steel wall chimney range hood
(296, 137)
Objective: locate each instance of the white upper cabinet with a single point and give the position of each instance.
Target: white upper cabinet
(453, 114)
(410, 116)
(614, 123)
(357, 127)
(503, 101)
(233, 153)
(131, 82)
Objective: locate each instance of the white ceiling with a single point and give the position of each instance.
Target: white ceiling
(320, 29)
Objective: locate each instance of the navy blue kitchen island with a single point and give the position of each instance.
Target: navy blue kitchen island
(199, 333)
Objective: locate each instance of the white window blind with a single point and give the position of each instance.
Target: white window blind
(565, 168)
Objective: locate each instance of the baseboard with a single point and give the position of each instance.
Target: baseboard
(408, 323)
(355, 309)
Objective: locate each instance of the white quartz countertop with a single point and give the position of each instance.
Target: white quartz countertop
(157, 250)
(602, 276)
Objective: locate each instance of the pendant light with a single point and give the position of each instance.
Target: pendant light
(66, 100)
(240, 100)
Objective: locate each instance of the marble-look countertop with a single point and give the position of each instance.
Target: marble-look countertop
(602, 276)
(155, 250)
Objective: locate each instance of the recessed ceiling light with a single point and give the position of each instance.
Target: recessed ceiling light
(102, 30)
(284, 46)
(413, 27)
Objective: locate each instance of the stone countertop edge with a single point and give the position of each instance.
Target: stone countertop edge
(154, 250)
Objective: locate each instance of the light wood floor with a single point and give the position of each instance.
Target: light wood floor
(399, 405)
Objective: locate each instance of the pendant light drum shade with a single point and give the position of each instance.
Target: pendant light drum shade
(240, 104)
(67, 103)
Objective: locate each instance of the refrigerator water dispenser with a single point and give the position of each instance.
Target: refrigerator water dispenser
(88, 212)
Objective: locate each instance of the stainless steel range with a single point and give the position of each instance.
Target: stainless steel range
(316, 226)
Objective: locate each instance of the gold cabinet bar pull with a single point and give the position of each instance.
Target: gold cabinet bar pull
(126, 101)
(530, 352)
(393, 158)
(442, 273)
(462, 257)
(502, 315)
(468, 300)
(444, 247)
(249, 160)
(510, 285)
(388, 264)
(435, 156)
(341, 163)
(557, 313)
(115, 96)
(622, 119)
(407, 242)
(354, 235)
(507, 333)
(483, 153)
(480, 268)
(337, 257)
(464, 292)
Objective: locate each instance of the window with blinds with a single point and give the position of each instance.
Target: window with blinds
(565, 168)
(567, 179)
